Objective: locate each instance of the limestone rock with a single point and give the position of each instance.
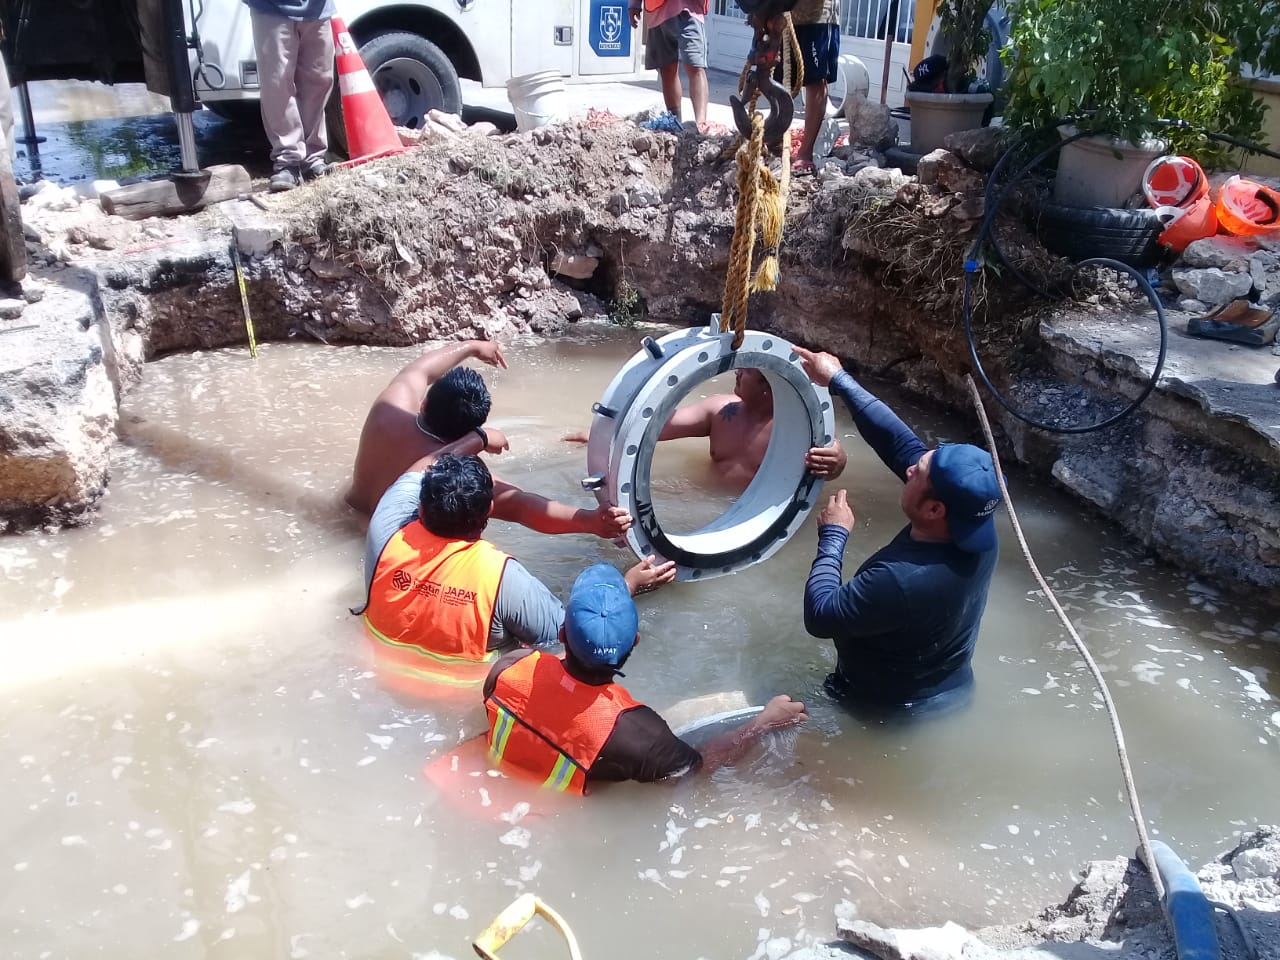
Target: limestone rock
(944, 169)
(255, 232)
(450, 121)
(641, 143)
(1257, 863)
(1211, 285)
(57, 409)
(618, 203)
(948, 942)
(870, 123)
(879, 182)
(980, 148)
(1217, 251)
(1258, 274)
(1190, 305)
(11, 307)
(634, 166)
(580, 266)
(643, 194)
(484, 128)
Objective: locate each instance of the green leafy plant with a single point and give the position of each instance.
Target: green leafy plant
(967, 40)
(1121, 67)
(625, 308)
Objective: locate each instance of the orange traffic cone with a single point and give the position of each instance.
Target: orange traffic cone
(370, 133)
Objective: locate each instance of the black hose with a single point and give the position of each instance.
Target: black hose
(992, 200)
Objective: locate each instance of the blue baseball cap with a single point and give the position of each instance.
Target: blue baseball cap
(964, 479)
(600, 619)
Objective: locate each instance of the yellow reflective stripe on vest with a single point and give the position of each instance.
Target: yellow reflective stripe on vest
(426, 673)
(501, 732)
(561, 774)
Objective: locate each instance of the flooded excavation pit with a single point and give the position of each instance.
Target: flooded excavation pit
(198, 759)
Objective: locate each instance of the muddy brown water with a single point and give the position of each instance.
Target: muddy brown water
(196, 760)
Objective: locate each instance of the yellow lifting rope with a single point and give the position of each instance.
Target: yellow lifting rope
(762, 197)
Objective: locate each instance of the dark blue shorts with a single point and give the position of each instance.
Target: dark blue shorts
(820, 50)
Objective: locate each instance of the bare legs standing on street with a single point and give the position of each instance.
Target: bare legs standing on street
(815, 112)
(673, 92)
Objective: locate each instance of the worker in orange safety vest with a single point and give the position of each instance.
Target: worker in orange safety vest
(443, 603)
(566, 723)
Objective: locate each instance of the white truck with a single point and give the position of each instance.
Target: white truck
(416, 50)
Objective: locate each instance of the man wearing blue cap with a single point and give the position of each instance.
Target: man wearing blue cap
(905, 626)
(566, 724)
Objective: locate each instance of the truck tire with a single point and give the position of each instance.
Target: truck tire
(412, 74)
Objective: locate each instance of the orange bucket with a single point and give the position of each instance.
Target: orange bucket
(1247, 208)
(1174, 182)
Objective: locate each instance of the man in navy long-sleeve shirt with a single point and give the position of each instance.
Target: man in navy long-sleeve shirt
(905, 626)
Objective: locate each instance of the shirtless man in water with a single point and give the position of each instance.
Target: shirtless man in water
(433, 402)
(739, 425)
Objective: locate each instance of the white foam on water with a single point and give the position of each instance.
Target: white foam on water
(516, 837)
(237, 894)
(242, 807)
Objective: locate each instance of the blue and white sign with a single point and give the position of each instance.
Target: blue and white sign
(610, 33)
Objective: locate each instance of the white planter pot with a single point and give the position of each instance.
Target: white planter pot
(936, 115)
(1101, 171)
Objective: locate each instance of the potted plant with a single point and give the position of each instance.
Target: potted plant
(958, 105)
(1090, 61)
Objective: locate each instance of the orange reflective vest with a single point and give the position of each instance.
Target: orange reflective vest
(431, 605)
(549, 725)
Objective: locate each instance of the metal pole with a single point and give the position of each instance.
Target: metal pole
(28, 119)
(182, 95)
(890, 34)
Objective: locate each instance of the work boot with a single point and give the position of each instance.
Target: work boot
(286, 178)
(314, 169)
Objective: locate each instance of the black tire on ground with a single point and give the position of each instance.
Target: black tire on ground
(1079, 233)
(243, 113)
(414, 98)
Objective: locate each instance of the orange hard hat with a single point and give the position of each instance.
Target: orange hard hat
(1185, 225)
(1247, 208)
(1174, 182)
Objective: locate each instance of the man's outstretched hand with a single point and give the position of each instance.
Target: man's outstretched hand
(826, 463)
(838, 512)
(646, 576)
(610, 523)
(782, 711)
(497, 440)
(820, 367)
(488, 351)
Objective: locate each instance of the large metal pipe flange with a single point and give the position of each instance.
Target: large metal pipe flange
(637, 404)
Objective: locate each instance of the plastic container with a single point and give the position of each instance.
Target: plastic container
(934, 116)
(538, 99)
(1101, 171)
